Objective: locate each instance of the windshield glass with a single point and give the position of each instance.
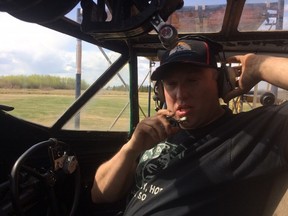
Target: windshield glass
(198, 16)
(202, 16)
(263, 15)
(38, 74)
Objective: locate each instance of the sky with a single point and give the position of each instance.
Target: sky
(28, 48)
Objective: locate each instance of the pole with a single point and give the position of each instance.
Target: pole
(149, 88)
(78, 70)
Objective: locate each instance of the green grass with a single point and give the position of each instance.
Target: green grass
(46, 106)
(39, 108)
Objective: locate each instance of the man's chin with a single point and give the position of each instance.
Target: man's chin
(188, 125)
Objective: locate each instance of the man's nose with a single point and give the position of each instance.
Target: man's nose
(182, 92)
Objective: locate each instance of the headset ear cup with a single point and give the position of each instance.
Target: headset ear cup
(159, 93)
(226, 80)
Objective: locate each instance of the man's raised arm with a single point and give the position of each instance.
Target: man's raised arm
(255, 68)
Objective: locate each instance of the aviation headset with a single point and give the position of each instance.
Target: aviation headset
(226, 75)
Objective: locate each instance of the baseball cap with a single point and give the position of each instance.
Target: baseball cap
(199, 53)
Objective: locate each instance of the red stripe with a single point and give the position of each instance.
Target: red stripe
(208, 53)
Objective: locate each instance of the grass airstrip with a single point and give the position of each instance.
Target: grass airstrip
(108, 110)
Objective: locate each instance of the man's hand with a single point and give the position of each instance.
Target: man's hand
(248, 74)
(151, 131)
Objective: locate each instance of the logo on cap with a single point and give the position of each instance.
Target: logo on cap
(181, 46)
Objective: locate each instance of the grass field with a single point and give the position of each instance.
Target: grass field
(105, 111)
(108, 110)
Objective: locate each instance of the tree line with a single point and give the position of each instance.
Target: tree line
(143, 88)
(39, 82)
(52, 82)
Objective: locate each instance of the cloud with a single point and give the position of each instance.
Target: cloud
(28, 48)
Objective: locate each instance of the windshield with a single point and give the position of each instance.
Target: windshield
(202, 16)
(42, 72)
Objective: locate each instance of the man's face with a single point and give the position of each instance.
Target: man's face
(191, 92)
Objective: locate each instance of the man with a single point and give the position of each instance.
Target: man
(214, 162)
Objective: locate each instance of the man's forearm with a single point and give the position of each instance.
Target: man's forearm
(114, 178)
(274, 70)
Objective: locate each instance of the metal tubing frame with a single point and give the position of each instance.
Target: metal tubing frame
(92, 90)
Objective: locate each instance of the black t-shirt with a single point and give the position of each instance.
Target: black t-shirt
(225, 168)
